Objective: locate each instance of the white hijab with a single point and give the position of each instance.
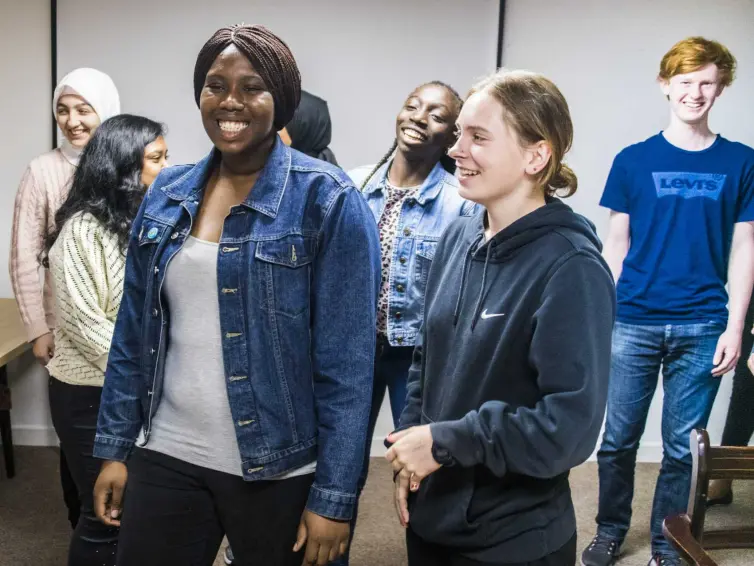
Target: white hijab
(97, 89)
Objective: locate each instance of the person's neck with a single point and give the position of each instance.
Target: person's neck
(691, 137)
(246, 164)
(405, 172)
(505, 211)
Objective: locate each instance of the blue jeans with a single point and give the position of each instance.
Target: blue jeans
(684, 353)
(391, 365)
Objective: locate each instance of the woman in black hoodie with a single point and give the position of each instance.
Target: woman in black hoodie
(508, 387)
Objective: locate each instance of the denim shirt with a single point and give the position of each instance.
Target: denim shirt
(422, 221)
(298, 275)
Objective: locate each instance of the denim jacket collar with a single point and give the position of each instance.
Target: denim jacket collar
(428, 191)
(268, 188)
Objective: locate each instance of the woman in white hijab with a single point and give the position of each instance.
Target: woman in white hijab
(83, 99)
(93, 93)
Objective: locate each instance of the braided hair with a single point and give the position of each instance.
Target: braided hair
(447, 162)
(269, 55)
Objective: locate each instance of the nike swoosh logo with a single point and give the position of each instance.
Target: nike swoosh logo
(485, 316)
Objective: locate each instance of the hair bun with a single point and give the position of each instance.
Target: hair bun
(564, 182)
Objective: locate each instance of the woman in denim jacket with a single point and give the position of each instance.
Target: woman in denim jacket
(413, 196)
(238, 386)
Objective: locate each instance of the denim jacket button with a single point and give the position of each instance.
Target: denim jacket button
(402, 260)
(399, 339)
(407, 231)
(174, 236)
(398, 315)
(399, 288)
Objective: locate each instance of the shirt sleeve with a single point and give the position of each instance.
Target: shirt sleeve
(27, 240)
(616, 193)
(745, 212)
(342, 384)
(85, 320)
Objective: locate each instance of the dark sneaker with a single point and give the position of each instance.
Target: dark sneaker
(228, 556)
(602, 551)
(663, 560)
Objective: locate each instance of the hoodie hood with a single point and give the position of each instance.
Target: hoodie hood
(555, 216)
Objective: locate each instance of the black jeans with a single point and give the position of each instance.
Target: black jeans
(74, 410)
(70, 492)
(177, 513)
(421, 553)
(739, 425)
(391, 365)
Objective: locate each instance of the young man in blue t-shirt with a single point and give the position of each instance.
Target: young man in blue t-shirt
(681, 226)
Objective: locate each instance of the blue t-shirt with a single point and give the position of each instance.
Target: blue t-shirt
(682, 206)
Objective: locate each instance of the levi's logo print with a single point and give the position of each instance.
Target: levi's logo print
(689, 185)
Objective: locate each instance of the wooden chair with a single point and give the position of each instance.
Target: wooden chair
(686, 531)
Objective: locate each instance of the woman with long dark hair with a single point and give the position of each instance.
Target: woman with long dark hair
(238, 385)
(86, 257)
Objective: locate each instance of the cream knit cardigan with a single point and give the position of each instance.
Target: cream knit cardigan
(87, 267)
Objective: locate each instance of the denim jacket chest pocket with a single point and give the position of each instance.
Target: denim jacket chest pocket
(284, 273)
(151, 239)
(425, 253)
(150, 234)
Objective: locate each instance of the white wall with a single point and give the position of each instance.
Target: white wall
(605, 56)
(363, 57)
(27, 120)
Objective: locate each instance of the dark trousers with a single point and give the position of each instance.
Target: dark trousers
(177, 513)
(74, 410)
(391, 365)
(421, 553)
(739, 425)
(70, 492)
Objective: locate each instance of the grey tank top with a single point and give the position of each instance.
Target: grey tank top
(193, 422)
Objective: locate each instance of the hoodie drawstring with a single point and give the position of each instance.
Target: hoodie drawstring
(466, 263)
(481, 289)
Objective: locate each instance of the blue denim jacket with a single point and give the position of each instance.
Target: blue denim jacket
(298, 276)
(422, 221)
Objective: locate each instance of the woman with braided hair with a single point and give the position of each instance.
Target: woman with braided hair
(413, 196)
(238, 385)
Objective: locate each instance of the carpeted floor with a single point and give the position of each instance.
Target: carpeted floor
(34, 530)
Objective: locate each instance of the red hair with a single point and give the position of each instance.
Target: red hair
(693, 53)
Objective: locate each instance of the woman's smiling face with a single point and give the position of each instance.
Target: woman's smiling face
(236, 106)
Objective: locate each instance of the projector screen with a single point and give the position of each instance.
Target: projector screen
(363, 57)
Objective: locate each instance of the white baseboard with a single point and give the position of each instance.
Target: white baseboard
(378, 447)
(34, 435)
(650, 452)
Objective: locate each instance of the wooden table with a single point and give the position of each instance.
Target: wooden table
(12, 344)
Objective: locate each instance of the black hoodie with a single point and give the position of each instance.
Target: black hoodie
(512, 373)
